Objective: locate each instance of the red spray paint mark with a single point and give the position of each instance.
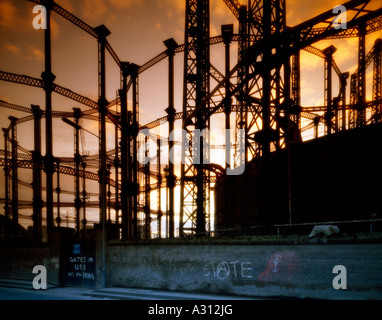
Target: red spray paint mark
(281, 265)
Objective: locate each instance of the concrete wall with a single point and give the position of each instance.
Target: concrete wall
(253, 270)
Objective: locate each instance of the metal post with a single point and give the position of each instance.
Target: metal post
(171, 46)
(377, 79)
(134, 132)
(15, 192)
(265, 137)
(117, 166)
(125, 151)
(344, 77)
(227, 32)
(37, 183)
(48, 78)
(147, 192)
(159, 186)
(328, 86)
(242, 115)
(361, 111)
(77, 161)
(6, 187)
(296, 88)
(290, 116)
(58, 191)
(195, 182)
(84, 221)
(102, 32)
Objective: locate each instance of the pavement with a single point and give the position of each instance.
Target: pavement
(11, 289)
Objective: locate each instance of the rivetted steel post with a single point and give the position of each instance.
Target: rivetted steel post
(361, 106)
(124, 153)
(328, 86)
(6, 180)
(37, 183)
(102, 32)
(343, 83)
(15, 192)
(77, 160)
(227, 32)
(58, 192)
(159, 186)
(147, 192)
(84, 221)
(48, 78)
(171, 46)
(134, 133)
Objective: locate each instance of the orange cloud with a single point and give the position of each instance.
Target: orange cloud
(35, 54)
(93, 10)
(12, 48)
(125, 3)
(8, 14)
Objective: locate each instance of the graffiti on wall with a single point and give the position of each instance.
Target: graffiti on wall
(223, 270)
(283, 265)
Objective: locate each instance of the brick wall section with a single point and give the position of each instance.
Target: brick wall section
(18, 263)
(253, 270)
(295, 270)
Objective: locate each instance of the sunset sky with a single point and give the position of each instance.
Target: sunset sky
(138, 29)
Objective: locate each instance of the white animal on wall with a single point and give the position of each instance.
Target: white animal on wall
(326, 230)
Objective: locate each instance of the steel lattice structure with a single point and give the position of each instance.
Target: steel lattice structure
(262, 91)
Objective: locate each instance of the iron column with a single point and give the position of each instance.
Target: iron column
(48, 78)
(171, 46)
(37, 197)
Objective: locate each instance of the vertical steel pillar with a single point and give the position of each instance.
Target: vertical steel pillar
(171, 46)
(159, 188)
(58, 191)
(242, 115)
(265, 141)
(102, 32)
(84, 221)
(296, 88)
(316, 122)
(361, 81)
(125, 151)
(377, 79)
(292, 117)
(328, 87)
(48, 78)
(353, 101)
(7, 207)
(37, 182)
(227, 32)
(343, 84)
(194, 179)
(77, 160)
(15, 191)
(130, 190)
(117, 166)
(108, 195)
(134, 133)
(147, 192)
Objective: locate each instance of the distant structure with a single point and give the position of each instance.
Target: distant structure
(286, 180)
